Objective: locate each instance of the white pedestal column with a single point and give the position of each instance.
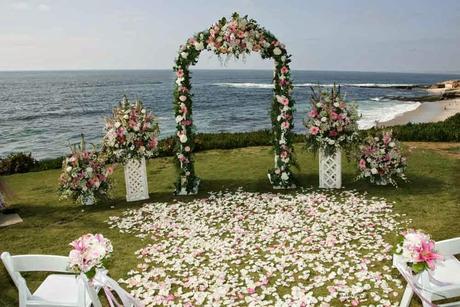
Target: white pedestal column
(330, 170)
(136, 180)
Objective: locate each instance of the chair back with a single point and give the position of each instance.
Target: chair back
(19, 281)
(45, 263)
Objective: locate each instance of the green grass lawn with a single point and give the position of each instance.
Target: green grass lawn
(431, 200)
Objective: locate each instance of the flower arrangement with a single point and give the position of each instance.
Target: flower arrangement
(131, 133)
(418, 251)
(90, 252)
(331, 123)
(85, 177)
(235, 37)
(381, 160)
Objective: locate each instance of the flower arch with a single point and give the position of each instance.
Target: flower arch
(234, 37)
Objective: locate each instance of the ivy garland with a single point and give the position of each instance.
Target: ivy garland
(235, 37)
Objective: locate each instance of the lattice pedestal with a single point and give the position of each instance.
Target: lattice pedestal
(136, 180)
(330, 170)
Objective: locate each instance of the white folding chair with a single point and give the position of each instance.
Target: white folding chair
(57, 289)
(442, 283)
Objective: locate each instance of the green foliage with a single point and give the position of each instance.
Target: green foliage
(17, 163)
(446, 131)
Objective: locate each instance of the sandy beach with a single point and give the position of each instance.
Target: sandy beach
(427, 112)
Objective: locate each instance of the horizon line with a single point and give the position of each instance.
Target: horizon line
(233, 69)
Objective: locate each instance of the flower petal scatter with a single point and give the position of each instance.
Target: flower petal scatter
(264, 249)
(381, 161)
(235, 37)
(131, 133)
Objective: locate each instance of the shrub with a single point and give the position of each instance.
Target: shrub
(19, 162)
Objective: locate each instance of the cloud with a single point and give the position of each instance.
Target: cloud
(20, 5)
(43, 7)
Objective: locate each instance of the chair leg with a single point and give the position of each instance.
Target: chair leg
(407, 297)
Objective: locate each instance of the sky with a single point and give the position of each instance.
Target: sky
(354, 35)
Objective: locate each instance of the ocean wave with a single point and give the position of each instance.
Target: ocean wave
(385, 113)
(269, 85)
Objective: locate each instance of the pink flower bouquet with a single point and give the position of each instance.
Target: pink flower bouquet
(418, 251)
(380, 160)
(131, 133)
(85, 177)
(331, 123)
(89, 252)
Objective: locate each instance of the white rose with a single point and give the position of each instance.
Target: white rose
(318, 105)
(374, 171)
(126, 116)
(117, 125)
(179, 118)
(183, 138)
(392, 144)
(331, 142)
(323, 119)
(68, 169)
(277, 51)
(283, 58)
(336, 104)
(284, 176)
(143, 111)
(199, 46)
(89, 170)
(184, 54)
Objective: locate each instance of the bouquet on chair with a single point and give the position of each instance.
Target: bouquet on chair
(89, 256)
(90, 252)
(417, 250)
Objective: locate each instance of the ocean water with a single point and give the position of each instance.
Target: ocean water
(42, 112)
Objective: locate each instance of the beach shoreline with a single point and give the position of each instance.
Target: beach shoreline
(427, 112)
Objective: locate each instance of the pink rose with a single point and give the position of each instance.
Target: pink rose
(313, 113)
(180, 73)
(362, 164)
(284, 70)
(314, 130)
(182, 98)
(334, 116)
(332, 133)
(187, 148)
(285, 125)
(153, 143)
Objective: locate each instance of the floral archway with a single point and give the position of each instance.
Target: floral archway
(235, 37)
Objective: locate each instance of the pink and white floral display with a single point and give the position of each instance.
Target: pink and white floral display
(331, 123)
(418, 251)
(236, 37)
(85, 177)
(89, 252)
(381, 161)
(264, 249)
(131, 133)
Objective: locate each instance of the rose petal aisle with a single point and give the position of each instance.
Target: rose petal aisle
(264, 249)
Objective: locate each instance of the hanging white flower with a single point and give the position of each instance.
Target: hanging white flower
(184, 54)
(284, 176)
(198, 45)
(277, 51)
(183, 138)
